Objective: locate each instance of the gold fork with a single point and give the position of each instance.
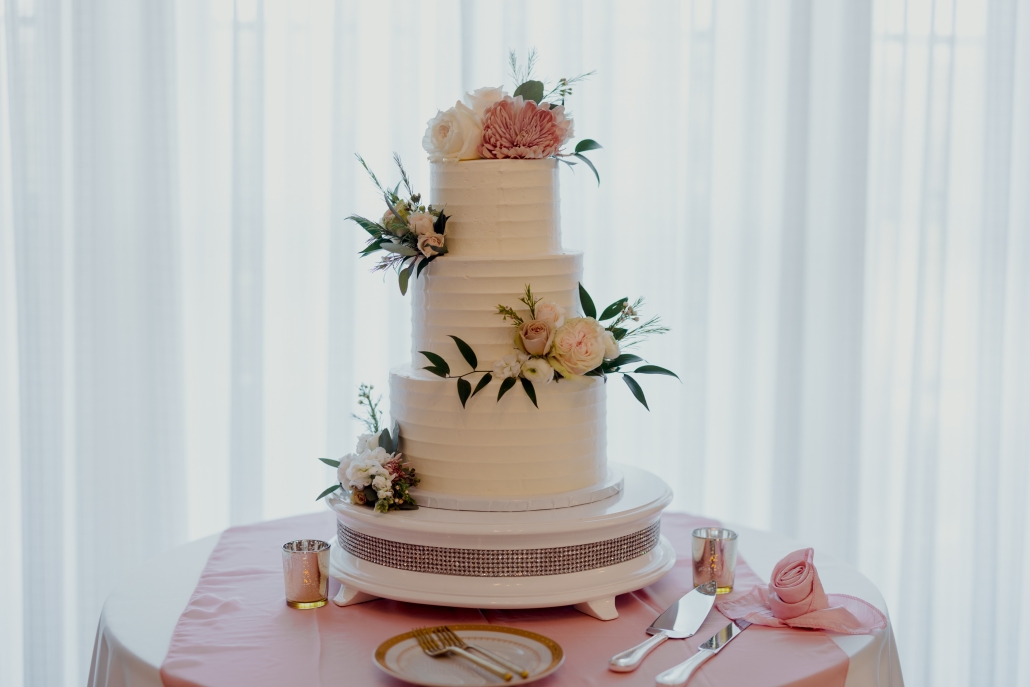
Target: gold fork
(451, 638)
(434, 648)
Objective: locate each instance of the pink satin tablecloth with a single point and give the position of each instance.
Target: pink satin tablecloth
(237, 629)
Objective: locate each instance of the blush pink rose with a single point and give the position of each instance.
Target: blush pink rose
(578, 346)
(519, 128)
(536, 336)
(795, 588)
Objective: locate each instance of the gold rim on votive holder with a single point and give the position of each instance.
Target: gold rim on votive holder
(306, 573)
(714, 554)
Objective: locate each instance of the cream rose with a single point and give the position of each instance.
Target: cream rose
(482, 98)
(427, 241)
(422, 223)
(538, 370)
(550, 312)
(453, 135)
(536, 336)
(578, 346)
(611, 346)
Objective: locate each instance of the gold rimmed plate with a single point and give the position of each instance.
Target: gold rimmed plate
(402, 657)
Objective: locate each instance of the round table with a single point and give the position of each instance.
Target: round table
(138, 618)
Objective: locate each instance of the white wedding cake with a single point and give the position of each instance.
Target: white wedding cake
(503, 233)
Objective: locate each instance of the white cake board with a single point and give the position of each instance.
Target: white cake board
(637, 506)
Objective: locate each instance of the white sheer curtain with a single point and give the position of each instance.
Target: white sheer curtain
(827, 202)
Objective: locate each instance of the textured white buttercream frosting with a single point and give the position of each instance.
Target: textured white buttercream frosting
(501, 448)
(503, 234)
(459, 296)
(498, 207)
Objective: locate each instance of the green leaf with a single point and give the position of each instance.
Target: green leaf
(625, 358)
(373, 247)
(386, 442)
(530, 391)
(439, 362)
(466, 352)
(508, 383)
(618, 333)
(638, 393)
(327, 492)
(464, 390)
(330, 462)
(655, 370)
(373, 228)
(531, 90)
(589, 164)
(596, 372)
(422, 264)
(570, 163)
(588, 304)
(437, 371)
(486, 379)
(398, 248)
(440, 226)
(587, 144)
(407, 506)
(613, 309)
(404, 276)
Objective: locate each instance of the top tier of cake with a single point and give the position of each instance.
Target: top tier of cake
(499, 208)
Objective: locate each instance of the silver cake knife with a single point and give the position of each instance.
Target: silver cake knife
(678, 675)
(679, 621)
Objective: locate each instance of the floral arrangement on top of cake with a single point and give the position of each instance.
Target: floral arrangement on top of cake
(529, 124)
(410, 232)
(548, 346)
(374, 475)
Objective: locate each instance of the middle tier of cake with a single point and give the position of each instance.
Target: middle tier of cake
(458, 296)
(506, 448)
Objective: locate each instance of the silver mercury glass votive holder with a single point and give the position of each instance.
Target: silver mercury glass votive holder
(714, 552)
(306, 569)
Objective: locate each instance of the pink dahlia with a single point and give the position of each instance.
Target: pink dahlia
(519, 128)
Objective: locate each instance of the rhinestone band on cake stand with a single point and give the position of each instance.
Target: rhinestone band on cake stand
(582, 555)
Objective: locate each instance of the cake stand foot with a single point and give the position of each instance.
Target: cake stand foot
(349, 596)
(602, 609)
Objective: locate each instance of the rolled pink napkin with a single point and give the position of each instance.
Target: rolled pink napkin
(795, 598)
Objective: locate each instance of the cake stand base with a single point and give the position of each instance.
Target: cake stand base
(582, 556)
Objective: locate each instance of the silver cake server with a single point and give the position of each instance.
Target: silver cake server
(679, 621)
(678, 675)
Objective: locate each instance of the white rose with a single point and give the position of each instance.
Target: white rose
(578, 347)
(551, 312)
(482, 98)
(510, 365)
(345, 462)
(611, 346)
(538, 370)
(362, 471)
(422, 223)
(368, 442)
(427, 241)
(453, 135)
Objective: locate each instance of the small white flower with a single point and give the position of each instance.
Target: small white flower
(382, 483)
(538, 370)
(345, 462)
(510, 365)
(422, 223)
(362, 471)
(368, 442)
(377, 454)
(611, 346)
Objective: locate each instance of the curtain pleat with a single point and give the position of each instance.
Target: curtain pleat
(825, 201)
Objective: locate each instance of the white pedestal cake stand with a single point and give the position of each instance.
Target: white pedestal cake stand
(581, 555)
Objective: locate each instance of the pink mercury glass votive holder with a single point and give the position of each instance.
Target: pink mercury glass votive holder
(306, 569)
(715, 557)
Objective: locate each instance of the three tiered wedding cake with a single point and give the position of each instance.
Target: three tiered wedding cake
(495, 496)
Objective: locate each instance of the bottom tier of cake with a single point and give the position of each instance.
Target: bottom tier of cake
(582, 555)
(505, 448)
